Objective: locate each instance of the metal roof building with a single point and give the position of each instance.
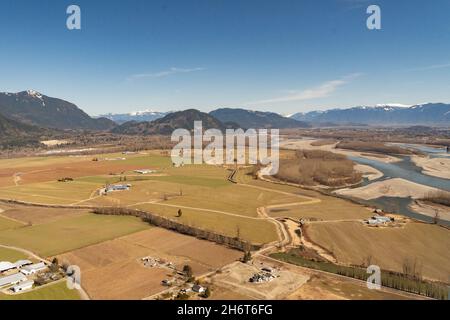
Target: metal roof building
(26, 285)
(6, 265)
(34, 268)
(12, 279)
(21, 263)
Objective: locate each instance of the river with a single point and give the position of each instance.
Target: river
(407, 170)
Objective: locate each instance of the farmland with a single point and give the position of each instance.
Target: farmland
(70, 233)
(11, 255)
(109, 249)
(38, 215)
(113, 270)
(57, 291)
(202, 192)
(423, 245)
(8, 224)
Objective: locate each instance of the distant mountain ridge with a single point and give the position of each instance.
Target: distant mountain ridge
(434, 114)
(34, 108)
(166, 125)
(10, 128)
(139, 116)
(256, 119)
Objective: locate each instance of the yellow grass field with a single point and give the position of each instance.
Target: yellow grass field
(254, 230)
(353, 243)
(8, 224)
(327, 208)
(11, 255)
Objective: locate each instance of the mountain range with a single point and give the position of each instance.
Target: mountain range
(256, 119)
(166, 125)
(429, 114)
(33, 108)
(146, 115)
(30, 113)
(12, 128)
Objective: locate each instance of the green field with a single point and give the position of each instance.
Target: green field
(58, 291)
(253, 230)
(329, 207)
(11, 255)
(68, 234)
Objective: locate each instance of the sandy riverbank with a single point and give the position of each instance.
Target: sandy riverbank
(389, 188)
(52, 143)
(437, 167)
(368, 172)
(430, 210)
(296, 144)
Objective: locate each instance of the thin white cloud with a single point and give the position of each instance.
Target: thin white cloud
(164, 73)
(432, 67)
(322, 91)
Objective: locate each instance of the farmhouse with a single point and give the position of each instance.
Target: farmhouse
(26, 285)
(118, 187)
(6, 265)
(12, 279)
(34, 268)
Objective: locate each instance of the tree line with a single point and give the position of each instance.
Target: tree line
(163, 222)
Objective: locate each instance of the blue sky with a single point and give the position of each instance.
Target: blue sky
(285, 56)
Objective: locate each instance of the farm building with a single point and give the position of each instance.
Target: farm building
(198, 288)
(166, 283)
(6, 265)
(262, 277)
(12, 279)
(26, 285)
(118, 187)
(34, 268)
(144, 171)
(21, 263)
(377, 220)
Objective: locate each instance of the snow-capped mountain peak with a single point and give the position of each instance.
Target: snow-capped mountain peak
(34, 93)
(393, 105)
(143, 112)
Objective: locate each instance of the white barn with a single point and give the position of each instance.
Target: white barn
(26, 285)
(34, 268)
(21, 263)
(12, 279)
(6, 265)
(144, 171)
